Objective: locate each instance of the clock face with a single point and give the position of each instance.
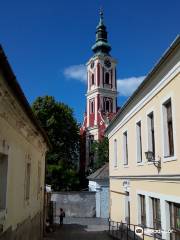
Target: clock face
(92, 64)
(107, 63)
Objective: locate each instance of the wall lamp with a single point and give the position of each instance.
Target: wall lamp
(150, 157)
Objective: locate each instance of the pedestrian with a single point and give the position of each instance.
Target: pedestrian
(61, 216)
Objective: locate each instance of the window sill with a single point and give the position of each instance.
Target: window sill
(169, 159)
(150, 163)
(140, 164)
(115, 168)
(125, 166)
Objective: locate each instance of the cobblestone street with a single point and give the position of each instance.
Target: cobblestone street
(81, 229)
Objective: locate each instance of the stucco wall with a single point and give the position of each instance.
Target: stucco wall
(20, 141)
(75, 204)
(104, 202)
(144, 178)
(168, 167)
(102, 197)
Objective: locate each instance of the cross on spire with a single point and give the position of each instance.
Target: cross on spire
(101, 16)
(101, 46)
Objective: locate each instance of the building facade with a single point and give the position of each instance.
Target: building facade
(101, 94)
(23, 145)
(144, 151)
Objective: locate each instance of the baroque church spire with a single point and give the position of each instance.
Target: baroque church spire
(101, 47)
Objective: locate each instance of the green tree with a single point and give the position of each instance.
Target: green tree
(100, 150)
(63, 131)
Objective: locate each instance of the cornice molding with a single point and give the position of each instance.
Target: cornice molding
(169, 177)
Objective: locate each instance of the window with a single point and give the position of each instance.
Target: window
(91, 141)
(92, 106)
(107, 106)
(115, 153)
(156, 213)
(125, 148)
(107, 78)
(3, 180)
(27, 181)
(139, 142)
(151, 137)
(92, 79)
(168, 129)
(143, 210)
(127, 208)
(39, 178)
(175, 220)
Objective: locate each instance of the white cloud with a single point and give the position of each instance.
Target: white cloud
(77, 72)
(127, 86)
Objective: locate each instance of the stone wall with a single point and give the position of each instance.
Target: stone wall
(75, 204)
(30, 229)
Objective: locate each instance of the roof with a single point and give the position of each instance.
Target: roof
(16, 90)
(175, 44)
(101, 174)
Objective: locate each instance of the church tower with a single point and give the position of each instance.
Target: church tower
(101, 94)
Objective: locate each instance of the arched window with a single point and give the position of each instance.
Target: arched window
(92, 79)
(107, 105)
(92, 107)
(107, 78)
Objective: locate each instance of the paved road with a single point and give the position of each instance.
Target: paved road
(76, 232)
(81, 229)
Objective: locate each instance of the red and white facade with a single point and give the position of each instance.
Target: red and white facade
(101, 95)
(101, 100)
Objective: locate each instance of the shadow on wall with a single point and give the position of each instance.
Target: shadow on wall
(75, 204)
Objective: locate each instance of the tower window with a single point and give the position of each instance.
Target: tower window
(92, 79)
(107, 78)
(91, 106)
(107, 105)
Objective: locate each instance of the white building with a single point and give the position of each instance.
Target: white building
(99, 183)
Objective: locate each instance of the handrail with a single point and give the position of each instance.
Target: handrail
(127, 231)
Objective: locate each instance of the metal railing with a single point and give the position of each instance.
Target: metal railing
(125, 231)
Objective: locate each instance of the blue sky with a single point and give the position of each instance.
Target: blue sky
(48, 42)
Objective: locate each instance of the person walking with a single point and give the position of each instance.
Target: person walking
(61, 216)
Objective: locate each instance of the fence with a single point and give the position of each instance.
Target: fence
(125, 231)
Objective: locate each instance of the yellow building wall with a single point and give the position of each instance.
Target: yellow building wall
(21, 139)
(150, 181)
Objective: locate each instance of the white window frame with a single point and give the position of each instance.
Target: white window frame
(139, 222)
(164, 205)
(138, 144)
(125, 149)
(163, 137)
(149, 135)
(92, 101)
(115, 154)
